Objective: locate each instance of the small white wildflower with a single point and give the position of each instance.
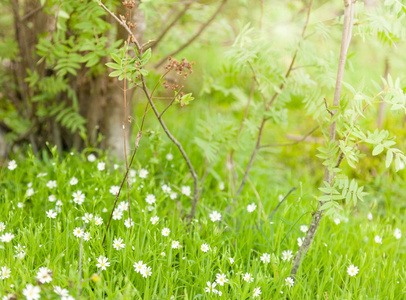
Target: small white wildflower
(166, 189)
(138, 266)
(173, 196)
(257, 292)
(78, 232)
(146, 271)
(32, 292)
(378, 239)
(12, 165)
(44, 275)
(221, 186)
(163, 254)
(7, 237)
(87, 236)
(370, 216)
(186, 190)
(143, 173)
(91, 157)
(102, 263)
(2, 226)
(210, 287)
(51, 184)
(215, 216)
(300, 241)
(154, 220)
(165, 231)
(231, 260)
(128, 223)
(118, 243)
(52, 198)
(98, 221)
(61, 292)
(51, 214)
(289, 281)
(101, 166)
(248, 277)
(204, 248)
(20, 204)
(251, 207)
(287, 255)
(78, 197)
(169, 156)
(150, 199)
(30, 192)
(397, 233)
(114, 189)
(266, 258)
(5, 272)
(352, 270)
(117, 214)
(304, 228)
(175, 245)
(73, 181)
(337, 221)
(58, 203)
(87, 217)
(221, 279)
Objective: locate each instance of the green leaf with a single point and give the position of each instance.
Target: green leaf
(377, 150)
(389, 158)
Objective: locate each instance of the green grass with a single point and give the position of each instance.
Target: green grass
(183, 273)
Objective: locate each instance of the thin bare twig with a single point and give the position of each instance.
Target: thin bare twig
(328, 177)
(328, 110)
(194, 37)
(268, 105)
(293, 143)
(280, 202)
(170, 103)
(170, 25)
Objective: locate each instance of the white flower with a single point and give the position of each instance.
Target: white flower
(42, 174)
(280, 198)
(266, 258)
(30, 192)
(221, 186)
(337, 221)
(221, 279)
(20, 204)
(215, 216)
(117, 214)
(51, 184)
(78, 232)
(116, 166)
(150, 199)
(173, 195)
(146, 271)
(87, 236)
(123, 206)
(251, 207)
(166, 189)
(397, 233)
(211, 287)
(128, 223)
(61, 292)
(138, 266)
(352, 270)
(78, 197)
(132, 173)
(87, 217)
(186, 190)
(287, 255)
(98, 220)
(91, 157)
(5, 272)
(102, 262)
(20, 255)
(7, 237)
(304, 228)
(300, 241)
(175, 245)
(289, 281)
(154, 220)
(73, 181)
(169, 156)
(257, 292)
(51, 214)
(165, 231)
(150, 208)
(378, 239)
(31, 292)
(114, 189)
(248, 277)
(370, 216)
(12, 165)
(143, 173)
(101, 166)
(52, 198)
(204, 248)
(2, 226)
(163, 254)
(118, 243)
(231, 260)
(44, 275)
(58, 203)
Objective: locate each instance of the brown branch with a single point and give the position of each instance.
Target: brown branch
(293, 143)
(328, 177)
(268, 105)
(122, 23)
(328, 110)
(178, 144)
(170, 103)
(194, 37)
(170, 25)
